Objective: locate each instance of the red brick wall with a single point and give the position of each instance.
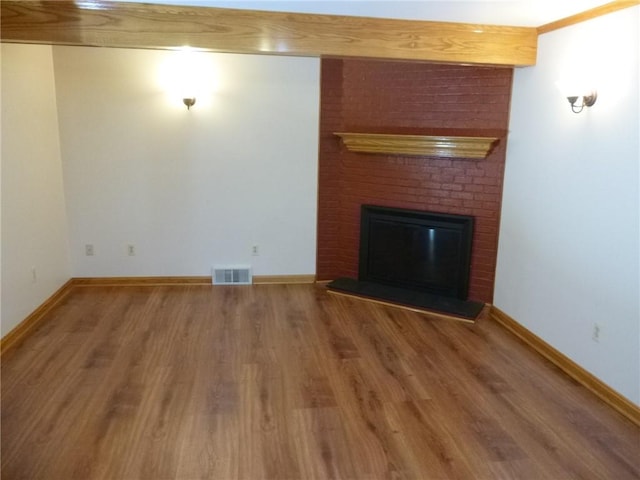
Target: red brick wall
(396, 97)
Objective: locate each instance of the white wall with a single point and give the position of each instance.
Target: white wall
(188, 188)
(34, 226)
(568, 257)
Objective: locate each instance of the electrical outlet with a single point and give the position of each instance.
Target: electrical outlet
(255, 250)
(131, 250)
(88, 250)
(596, 332)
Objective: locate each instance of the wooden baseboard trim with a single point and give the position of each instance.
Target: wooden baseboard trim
(275, 279)
(197, 280)
(25, 328)
(139, 281)
(621, 404)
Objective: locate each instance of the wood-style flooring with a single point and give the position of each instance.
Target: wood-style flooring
(290, 382)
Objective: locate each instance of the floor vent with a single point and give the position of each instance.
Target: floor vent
(232, 275)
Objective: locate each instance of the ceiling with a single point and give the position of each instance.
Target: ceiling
(531, 13)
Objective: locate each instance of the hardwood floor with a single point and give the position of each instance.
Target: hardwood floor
(290, 382)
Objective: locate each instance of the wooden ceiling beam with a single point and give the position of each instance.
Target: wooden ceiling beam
(136, 25)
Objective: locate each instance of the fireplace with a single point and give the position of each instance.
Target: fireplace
(422, 251)
(416, 258)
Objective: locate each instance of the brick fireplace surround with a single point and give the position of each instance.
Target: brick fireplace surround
(372, 96)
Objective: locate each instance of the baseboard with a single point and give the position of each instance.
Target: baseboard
(198, 280)
(276, 279)
(33, 321)
(139, 281)
(568, 366)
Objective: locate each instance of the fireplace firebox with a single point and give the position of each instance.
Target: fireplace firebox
(423, 251)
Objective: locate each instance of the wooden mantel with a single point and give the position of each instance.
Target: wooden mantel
(419, 145)
(138, 25)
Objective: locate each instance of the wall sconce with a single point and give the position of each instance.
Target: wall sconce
(587, 101)
(187, 74)
(189, 102)
(575, 85)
